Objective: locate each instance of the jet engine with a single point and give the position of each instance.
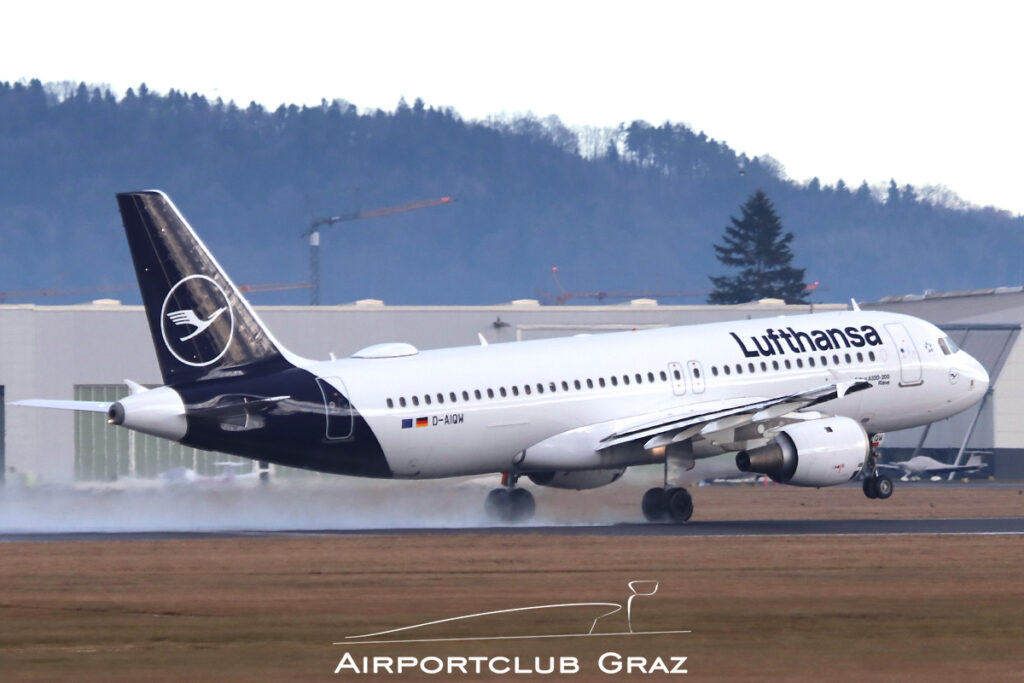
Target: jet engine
(822, 452)
(578, 480)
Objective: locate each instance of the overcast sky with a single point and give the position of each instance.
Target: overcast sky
(923, 92)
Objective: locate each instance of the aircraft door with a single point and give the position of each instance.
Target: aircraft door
(910, 361)
(675, 373)
(337, 409)
(696, 372)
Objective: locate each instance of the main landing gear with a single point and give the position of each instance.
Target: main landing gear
(509, 504)
(674, 504)
(876, 485)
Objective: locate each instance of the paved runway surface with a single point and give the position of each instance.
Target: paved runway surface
(1001, 525)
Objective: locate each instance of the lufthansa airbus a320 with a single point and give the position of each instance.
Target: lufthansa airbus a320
(798, 399)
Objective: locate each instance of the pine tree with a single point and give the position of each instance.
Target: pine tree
(755, 243)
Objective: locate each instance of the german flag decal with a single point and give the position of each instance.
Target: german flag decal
(422, 422)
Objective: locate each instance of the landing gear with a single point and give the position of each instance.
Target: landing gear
(667, 504)
(876, 485)
(509, 504)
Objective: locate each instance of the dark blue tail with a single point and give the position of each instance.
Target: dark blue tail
(202, 327)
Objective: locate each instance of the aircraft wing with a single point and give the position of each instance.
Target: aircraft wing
(88, 406)
(674, 427)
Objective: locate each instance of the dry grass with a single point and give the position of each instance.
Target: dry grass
(772, 608)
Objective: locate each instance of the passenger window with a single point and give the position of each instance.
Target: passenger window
(775, 365)
(540, 388)
(625, 379)
(696, 373)
(871, 355)
(726, 369)
(750, 367)
(451, 395)
(526, 388)
(415, 400)
(501, 390)
(810, 361)
(490, 393)
(764, 367)
(476, 392)
(576, 383)
(401, 401)
(650, 377)
(714, 371)
(600, 382)
(391, 404)
(440, 398)
(465, 395)
(848, 359)
(639, 378)
(515, 390)
(788, 364)
(590, 383)
(675, 373)
(835, 359)
(824, 361)
(860, 357)
(615, 381)
(799, 362)
(552, 386)
(739, 368)
(565, 385)
(426, 399)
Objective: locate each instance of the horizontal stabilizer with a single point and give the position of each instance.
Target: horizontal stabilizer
(88, 406)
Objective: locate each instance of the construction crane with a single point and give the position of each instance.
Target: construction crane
(314, 234)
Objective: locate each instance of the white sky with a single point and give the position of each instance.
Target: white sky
(925, 92)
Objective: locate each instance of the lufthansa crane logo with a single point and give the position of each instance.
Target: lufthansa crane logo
(193, 320)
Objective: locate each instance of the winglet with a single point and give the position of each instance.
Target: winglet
(480, 336)
(854, 305)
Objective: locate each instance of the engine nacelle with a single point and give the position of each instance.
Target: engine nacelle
(821, 452)
(578, 480)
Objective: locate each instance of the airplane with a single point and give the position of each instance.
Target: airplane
(922, 465)
(797, 398)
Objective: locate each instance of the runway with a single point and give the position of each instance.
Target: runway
(817, 527)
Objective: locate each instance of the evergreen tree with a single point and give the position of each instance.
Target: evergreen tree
(755, 243)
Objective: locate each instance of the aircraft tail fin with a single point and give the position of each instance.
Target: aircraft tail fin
(200, 323)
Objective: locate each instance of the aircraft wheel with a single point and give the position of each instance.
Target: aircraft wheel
(655, 505)
(680, 504)
(869, 487)
(498, 506)
(521, 505)
(883, 487)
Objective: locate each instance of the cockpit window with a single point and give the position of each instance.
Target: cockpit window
(942, 343)
(949, 346)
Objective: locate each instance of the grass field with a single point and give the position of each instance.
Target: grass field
(851, 608)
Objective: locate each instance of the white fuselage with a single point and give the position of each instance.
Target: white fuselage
(509, 397)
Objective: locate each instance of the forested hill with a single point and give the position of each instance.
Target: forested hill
(640, 213)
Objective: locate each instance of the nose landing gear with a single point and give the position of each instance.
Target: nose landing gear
(876, 485)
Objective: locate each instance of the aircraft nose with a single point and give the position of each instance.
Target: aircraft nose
(977, 376)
